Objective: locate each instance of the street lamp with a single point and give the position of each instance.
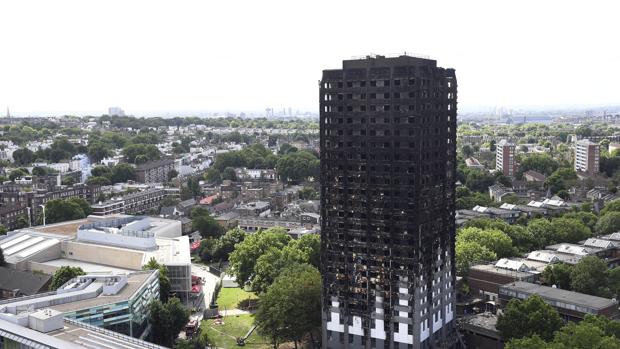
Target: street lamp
(43, 206)
(29, 217)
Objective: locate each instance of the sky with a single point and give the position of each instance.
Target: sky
(154, 56)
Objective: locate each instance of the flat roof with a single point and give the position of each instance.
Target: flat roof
(485, 320)
(93, 337)
(561, 295)
(68, 228)
(32, 337)
(24, 244)
(89, 268)
(134, 282)
(491, 268)
(171, 251)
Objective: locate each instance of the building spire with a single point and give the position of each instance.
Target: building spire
(8, 114)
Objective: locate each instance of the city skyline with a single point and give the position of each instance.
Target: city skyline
(75, 58)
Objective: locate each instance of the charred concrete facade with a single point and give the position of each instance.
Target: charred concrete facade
(388, 136)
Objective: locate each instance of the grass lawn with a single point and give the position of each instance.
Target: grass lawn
(230, 297)
(223, 336)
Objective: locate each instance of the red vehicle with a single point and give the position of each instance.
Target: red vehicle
(191, 328)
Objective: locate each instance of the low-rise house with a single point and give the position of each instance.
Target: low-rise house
(497, 192)
(17, 283)
(255, 209)
(572, 306)
(533, 176)
(480, 331)
(228, 220)
(485, 279)
(186, 206)
(474, 163)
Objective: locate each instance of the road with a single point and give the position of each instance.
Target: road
(210, 280)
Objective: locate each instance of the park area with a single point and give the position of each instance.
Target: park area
(235, 323)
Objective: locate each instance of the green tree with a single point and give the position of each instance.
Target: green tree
(557, 274)
(612, 206)
(213, 176)
(227, 242)
(308, 193)
(467, 151)
(23, 157)
(569, 230)
(229, 174)
(608, 223)
(298, 166)
(69, 181)
(533, 342)
(39, 171)
(3, 230)
(243, 259)
(613, 281)
(291, 307)
(593, 332)
(543, 232)
(478, 180)
(22, 222)
(589, 276)
(587, 218)
(542, 163)
(98, 150)
(468, 253)
(60, 210)
(64, 274)
(92, 180)
(18, 173)
(123, 172)
(167, 320)
(101, 171)
(525, 318)
(146, 152)
(310, 244)
(203, 222)
(271, 263)
(286, 148)
(493, 239)
(164, 281)
(172, 174)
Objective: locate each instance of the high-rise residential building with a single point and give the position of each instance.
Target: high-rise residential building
(116, 111)
(505, 158)
(388, 135)
(587, 156)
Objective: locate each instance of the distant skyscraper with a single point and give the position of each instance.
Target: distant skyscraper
(587, 156)
(116, 111)
(505, 158)
(388, 135)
